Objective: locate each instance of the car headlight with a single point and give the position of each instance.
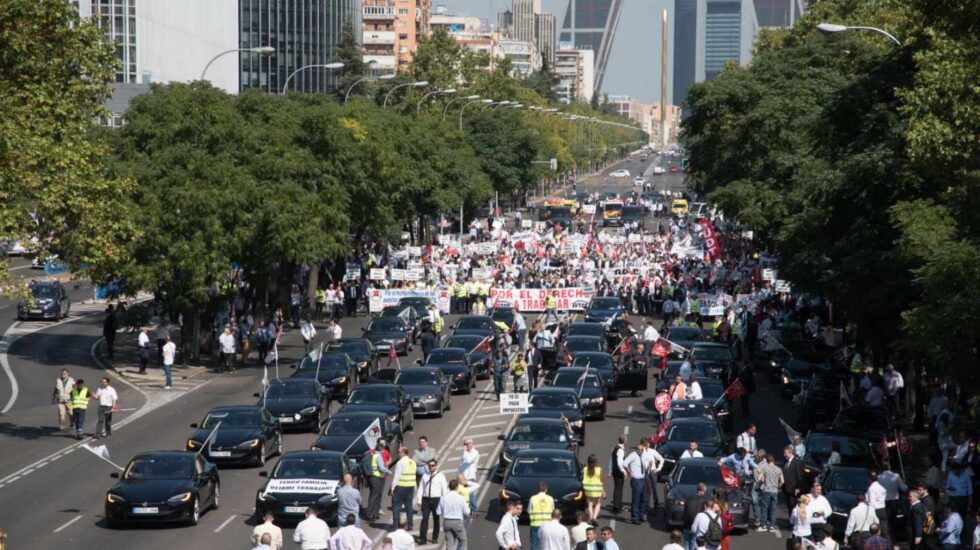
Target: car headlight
(250, 444)
(192, 444)
(362, 365)
(341, 380)
(680, 502)
(430, 397)
(459, 375)
(509, 495)
(505, 456)
(573, 496)
(785, 380)
(308, 410)
(772, 364)
(577, 424)
(177, 499)
(401, 341)
(113, 499)
(393, 417)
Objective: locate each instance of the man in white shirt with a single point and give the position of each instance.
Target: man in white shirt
(746, 440)
(894, 384)
(351, 537)
(860, 519)
(143, 345)
(312, 533)
(579, 531)
(468, 464)
(653, 462)
(676, 537)
(508, 535)
(227, 342)
(454, 511)
(650, 335)
(819, 508)
(169, 353)
(702, 522)
(268, 528)
(692, 451)
(401, 539)
(108, 402)
(875, 497)
(430, 492)
(694, 389)
(308, 331)
(553, 535)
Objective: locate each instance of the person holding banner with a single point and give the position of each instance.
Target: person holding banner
(63, 387)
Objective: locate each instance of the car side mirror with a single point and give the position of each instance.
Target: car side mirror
(114, 475)
(253, 395)
(363, 329)
(263, 473)
(501, 437)
(418, 362)
(194, 425)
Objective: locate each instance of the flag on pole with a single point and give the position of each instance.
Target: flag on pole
(207, 442)
(102, 452)
(790, 432)
(735, 389)
(581, 379)
(661, 348)
(729, 479)
(904, 444)
(273, 356)
(371, 435)
(845, 399)
(483, 346)
(265, 376)
(392, 355)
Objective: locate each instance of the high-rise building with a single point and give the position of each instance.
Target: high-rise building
(505, 22)
(708, 34)
(391, 30)
(544, 36)
(778, 13)
(524, 12)
(575, 70)
(592, 24)
(526, 22)
(303, 32)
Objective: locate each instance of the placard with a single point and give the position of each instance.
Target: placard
(769, 274)
(588, 208)
(483, 273)
(304, 486)
(534, 299)
(414, 251)
(527, 224)
(514, 403)
(377, 274)
(783, 286)
(398, 274)
(379, 299)
(486, 249)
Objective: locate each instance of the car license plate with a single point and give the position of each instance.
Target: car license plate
(220, 454)
(418, 406)
(36, 311)
(294, 509)
(146, 510)
(286, 419)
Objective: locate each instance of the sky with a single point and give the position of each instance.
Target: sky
(634, 63)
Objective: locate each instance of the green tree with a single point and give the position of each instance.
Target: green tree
(544, 83)
(54, 76)
(351, 54)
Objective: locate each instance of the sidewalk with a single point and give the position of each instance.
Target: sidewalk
(126, 362)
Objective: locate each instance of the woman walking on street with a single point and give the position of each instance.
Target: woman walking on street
(592, 487)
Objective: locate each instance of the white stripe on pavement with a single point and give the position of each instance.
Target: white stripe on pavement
(225, 523)
(63, 527)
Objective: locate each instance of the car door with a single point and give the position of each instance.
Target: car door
(632, 377)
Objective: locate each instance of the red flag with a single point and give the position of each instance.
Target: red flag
(662, 432)
(661, 348)
(882, 448)
(483, 346)
(904, 444)
(624, 347)
(566, 355)
(392, 355)
(736, 389)
(729, 478)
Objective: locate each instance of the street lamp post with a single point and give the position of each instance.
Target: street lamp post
(330, 66)
(454, 100)
(418, 108)
(419, 84)
(358, 81)
(465, 105)
(832, 28)
(499, 104)
(265, 51)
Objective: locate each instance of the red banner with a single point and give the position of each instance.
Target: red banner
(736, 389)
(712, 248)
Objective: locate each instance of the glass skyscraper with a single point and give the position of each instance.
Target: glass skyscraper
(591, 24)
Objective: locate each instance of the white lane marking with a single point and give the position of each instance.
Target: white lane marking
(612, 524)
(629, 410)
(225, 524)
(495, 414)
(69, 522)
(5, 344)
(626, 430)
(41, 465)
(486, 425)
(12, 479)
(479, 445)
(28, 471)
(778, 533)
(484, 434)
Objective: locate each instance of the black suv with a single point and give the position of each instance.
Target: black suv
(49, 300)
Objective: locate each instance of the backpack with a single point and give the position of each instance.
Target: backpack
(366, 464)
(712, 537)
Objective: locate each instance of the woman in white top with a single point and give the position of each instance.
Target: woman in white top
(800, 520)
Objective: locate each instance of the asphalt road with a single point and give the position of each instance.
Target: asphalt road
(51, 492)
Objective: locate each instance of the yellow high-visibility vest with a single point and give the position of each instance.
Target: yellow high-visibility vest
(407, 479)
(540, 509)
(79, 399)
(592, 485)
(375, 470)
(551, 303)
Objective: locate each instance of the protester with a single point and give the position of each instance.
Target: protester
(454, 511)
(312, 533)
(401, 539)
(79, 405)
(62, 399)
(402, 489)
(169, 354)
(349, 500)
(143, 347)
(508, 534)
(431, 490)
(592, 488)
(351, 537)
(108, 403)
(618, 473)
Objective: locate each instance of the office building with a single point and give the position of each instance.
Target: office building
(591, 24)
(575, 70)
(391, 30)
(708, 34)
(442, 18)
(524, 12)
(778, 13)
(628, 107)
(544, 36)
(524, 56)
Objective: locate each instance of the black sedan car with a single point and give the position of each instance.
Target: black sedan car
(597, 330)
(716, 360)
(301, 480)
(389, 399)
(682, 432)
(242, 435)
(600, 309)
(590, 388)
(684, 408)
(163, 486)
(631, 377)
(455, 366)
(429, 390)
(683, 484)
(297, 403)
(578, 344)
(334, 371)
(853, 451)
(534, 433)
(477, 355)
(385, 332)
(684, 335)
(475, 324)
(820, 403)
(408, 314)
(558, 403)
(343, 435)
(872, 423)
(841, 485)
(361, 353)
(560, 469)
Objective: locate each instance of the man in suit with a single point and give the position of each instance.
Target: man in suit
(792, 477)
(917, 513)
(590, 542)
(508, 535)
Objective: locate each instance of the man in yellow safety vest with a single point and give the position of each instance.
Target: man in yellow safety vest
(403, 488)
(539, 511)
(79, 403)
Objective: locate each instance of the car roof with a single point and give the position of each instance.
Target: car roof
(295, 381)
(548, 453)
(527, 420)
(355, 414)
(583, 338)
(553, 389)
(709, 345)
(236, 408)
(381, 386)
(450, 348)
(482, 317)
(693, 420)
(151, 454)
(416, 368)
(346, 340)
(312, 454)
(593, 354)
(585, 324)
(700, 461)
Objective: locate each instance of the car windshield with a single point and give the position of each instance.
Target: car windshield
(605, 303)
(546, 433)
(348, 346)
(161, 467)
(585, 329)
(373, 395)
(290, 390)
(505, 316)
(712, 353)
(395, 311)
(544, 467)
(684, 333)
(711, 389)
(849, 446)
(594, 361)
(553, 401)
(574, 380)
(848, 481)
(232, 419)
(328, 361)
(418, 377)
(387, 324)
(474, 323)
(701, 432)
(465, 342)
(340, 425)
(45, 292)
(298, 468)
(583, 344)
(442, 355)
(689, 474)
